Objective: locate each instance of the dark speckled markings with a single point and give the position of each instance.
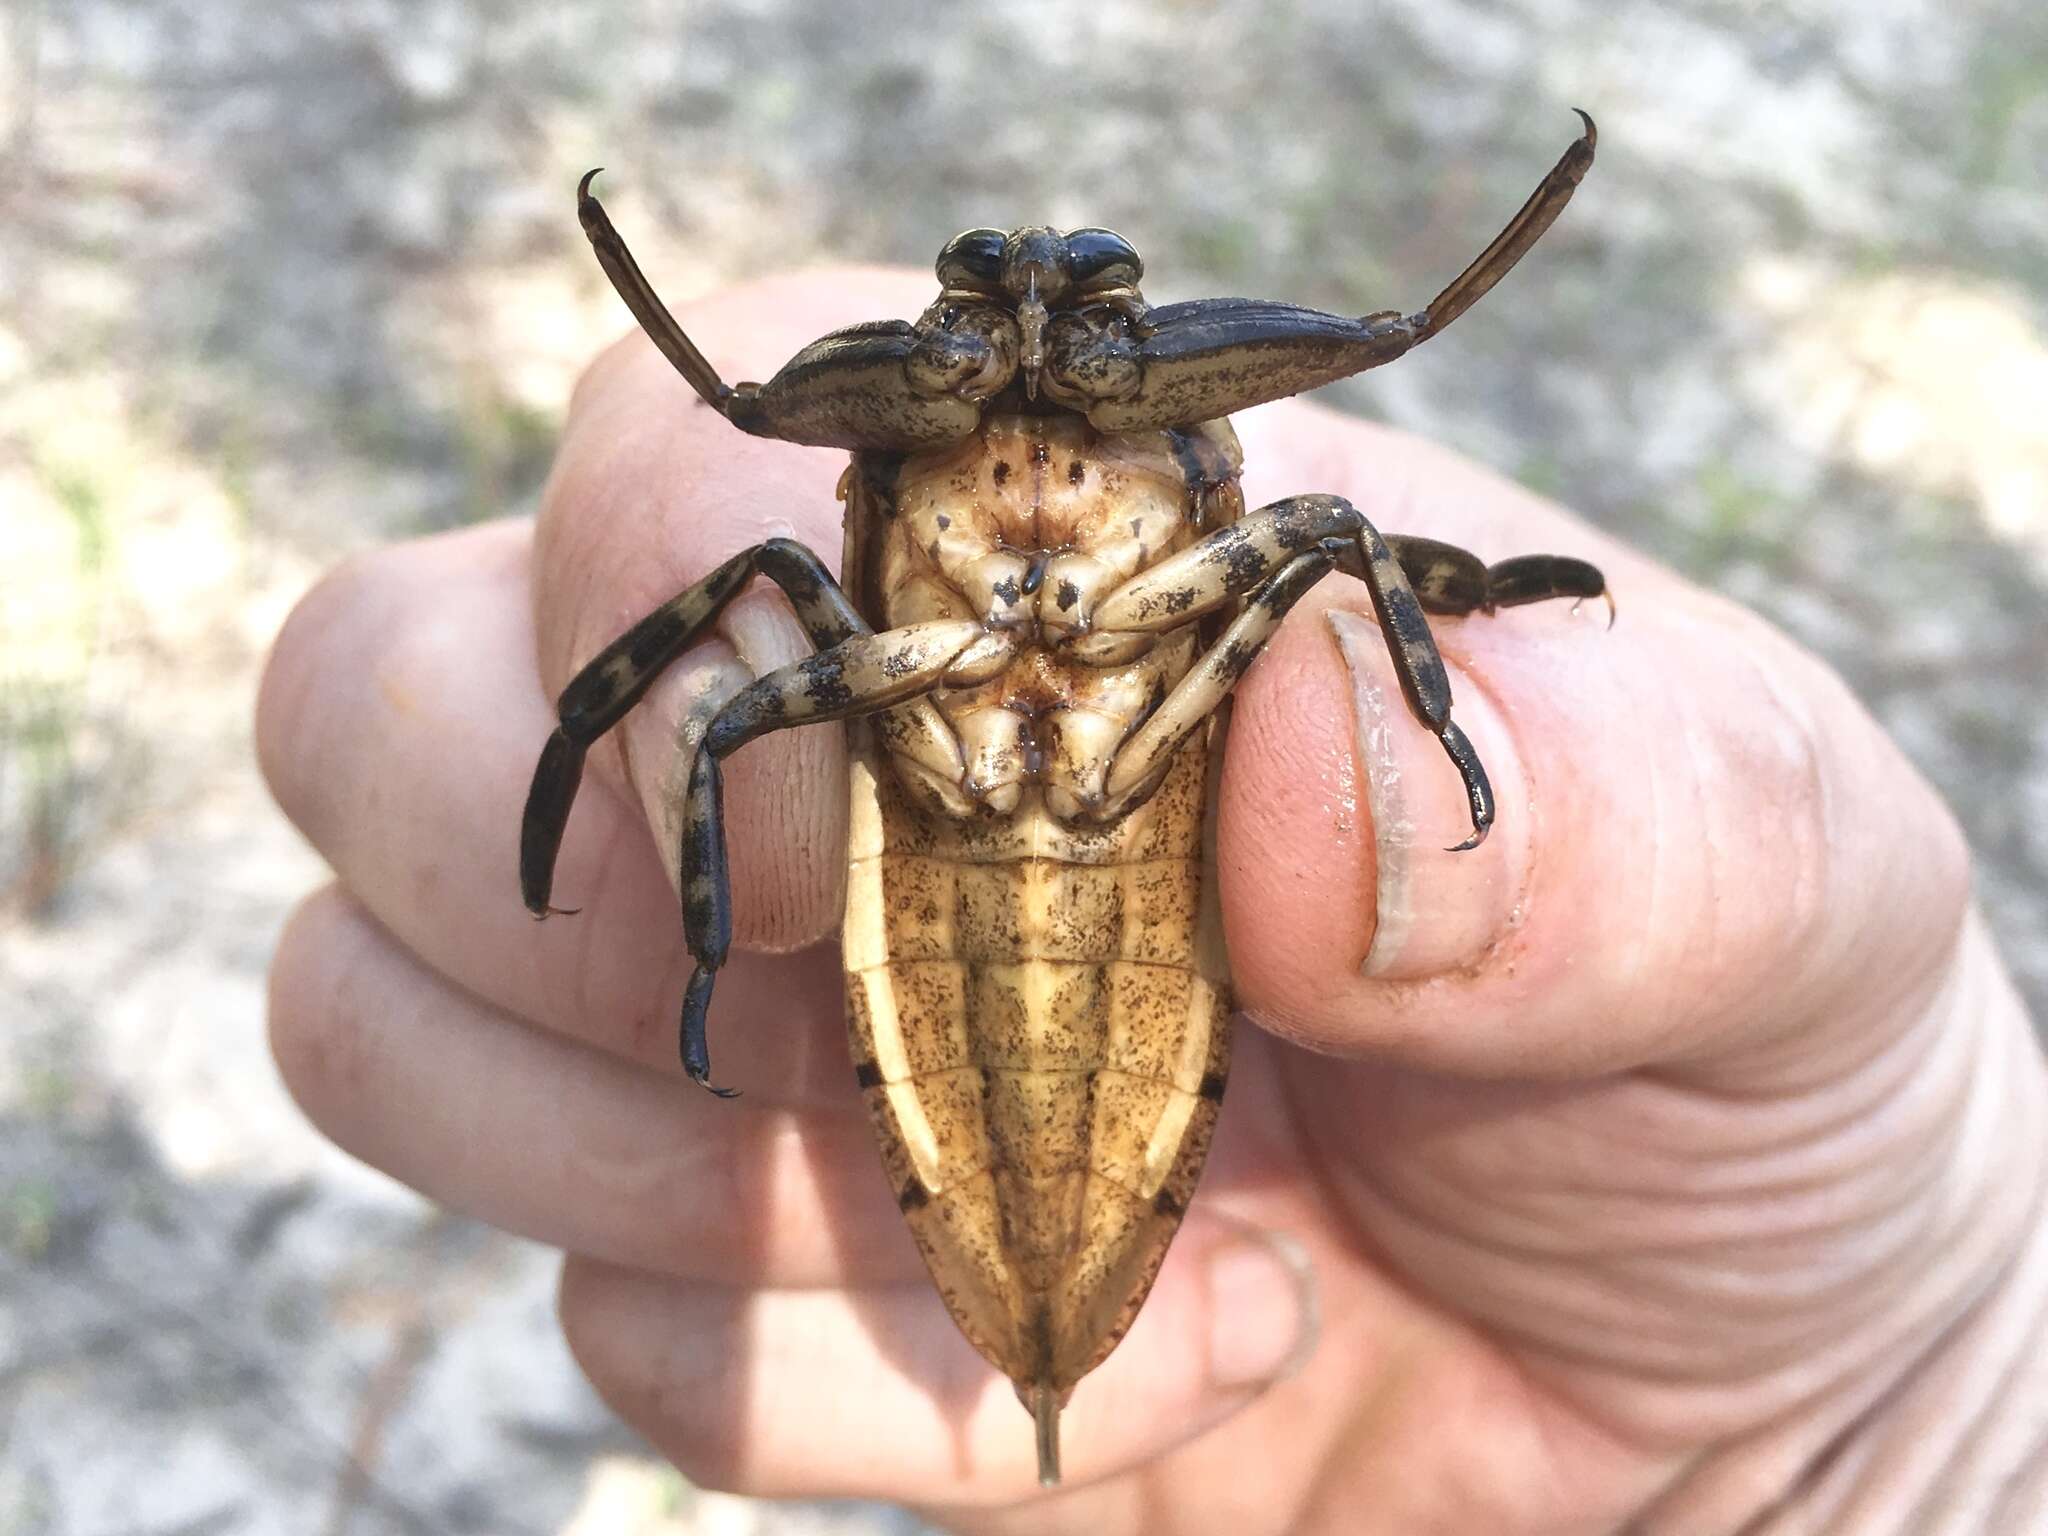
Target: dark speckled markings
(1051, 586)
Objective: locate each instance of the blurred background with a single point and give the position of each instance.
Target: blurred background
(278, 282)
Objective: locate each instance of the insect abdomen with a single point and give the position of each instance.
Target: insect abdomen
(1040, 1019)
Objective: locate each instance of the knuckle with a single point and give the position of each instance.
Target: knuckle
(324, 626)
(314, 1037)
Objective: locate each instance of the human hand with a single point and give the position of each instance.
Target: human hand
(1676, 1157)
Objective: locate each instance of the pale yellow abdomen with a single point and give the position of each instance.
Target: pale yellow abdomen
(1039, 1016)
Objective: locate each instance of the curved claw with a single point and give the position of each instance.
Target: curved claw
(1478, 792)
(1606, 596)
(696, 1051)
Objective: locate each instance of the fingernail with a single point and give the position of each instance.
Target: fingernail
(706, 687)
(765, 636)
(1262, 1309)
(1436, 911)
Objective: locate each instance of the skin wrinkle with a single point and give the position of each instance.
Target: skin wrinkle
(1791, 1095)
(1796, 1444)
(1780, 1167)
(2021, 1462)
(1388, 1272)
(1806, 1116)
(1784, 1162)
(1842, 1048)
(1511, 1307)
(1536, 1225)
(1991, 1432)
(2020, 1083)
(803, 824)
(1849, 1486)
(1581, 1301)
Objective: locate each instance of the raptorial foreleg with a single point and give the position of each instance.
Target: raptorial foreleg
(1215, 357)
(856, 388)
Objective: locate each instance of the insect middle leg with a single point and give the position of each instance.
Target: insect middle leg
(598, 697)
(855, 672)
(859, 676)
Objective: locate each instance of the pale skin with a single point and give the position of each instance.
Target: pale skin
(1672, 1163)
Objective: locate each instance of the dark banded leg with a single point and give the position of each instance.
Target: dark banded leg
(1451, 580)
(598, 697)
(858, 676)
(1235, 561)
(1148, 750)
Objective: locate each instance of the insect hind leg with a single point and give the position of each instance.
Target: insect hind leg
(1453, 581)
(1272, 555)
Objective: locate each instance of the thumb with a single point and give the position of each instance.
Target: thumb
(1705, 847)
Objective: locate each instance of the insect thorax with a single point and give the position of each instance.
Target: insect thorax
(1027, 525)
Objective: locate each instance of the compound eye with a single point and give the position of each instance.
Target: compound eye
(1102, 258)
(972, 260)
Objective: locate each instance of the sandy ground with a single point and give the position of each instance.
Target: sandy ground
(276, 283)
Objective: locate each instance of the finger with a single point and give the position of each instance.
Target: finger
(563, 1144)
(650, 491)
(397, 725)
(1701, 841)
(873, 1393)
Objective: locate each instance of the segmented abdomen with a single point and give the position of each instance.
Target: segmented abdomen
(1040, 1021)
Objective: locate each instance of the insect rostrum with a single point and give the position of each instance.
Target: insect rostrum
(1048, 588)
